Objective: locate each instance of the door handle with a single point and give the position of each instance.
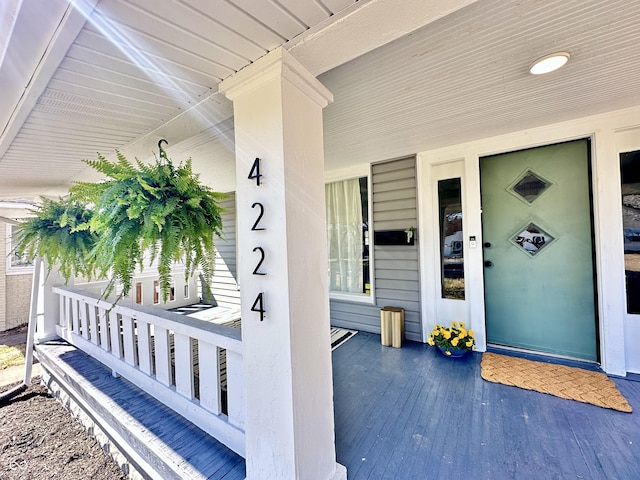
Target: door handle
(487, 244)
(488, 263)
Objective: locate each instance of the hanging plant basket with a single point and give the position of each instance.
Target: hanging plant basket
(160, 209)
(59, 233)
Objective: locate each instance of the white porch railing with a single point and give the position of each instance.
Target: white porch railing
(179, 360)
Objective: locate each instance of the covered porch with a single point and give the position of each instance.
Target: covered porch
(273, 100)
(406, 413)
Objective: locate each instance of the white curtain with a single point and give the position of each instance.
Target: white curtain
(344, 236)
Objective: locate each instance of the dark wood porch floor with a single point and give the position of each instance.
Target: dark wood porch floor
(411, 413)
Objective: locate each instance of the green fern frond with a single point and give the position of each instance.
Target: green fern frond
(158, 208)
(57, 234)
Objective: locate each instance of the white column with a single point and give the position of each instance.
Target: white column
(49, 303)
(287, 355)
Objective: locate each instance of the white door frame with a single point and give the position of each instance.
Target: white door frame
(603, 130)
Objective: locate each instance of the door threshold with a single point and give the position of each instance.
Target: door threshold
(544, 357)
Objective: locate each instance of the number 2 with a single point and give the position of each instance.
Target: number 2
(255, 225)
(255, 270)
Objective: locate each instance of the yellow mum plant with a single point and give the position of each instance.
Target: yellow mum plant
(451, 339)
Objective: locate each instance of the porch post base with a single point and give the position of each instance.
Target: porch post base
(340, 473)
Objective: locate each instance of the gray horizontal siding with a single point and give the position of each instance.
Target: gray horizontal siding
(394, 185)
(382, 265)
(397, 279)
(396, 267)
(394, 195)
(397, 205)
(367, 318)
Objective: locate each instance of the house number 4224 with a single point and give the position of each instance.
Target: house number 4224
(256, 175)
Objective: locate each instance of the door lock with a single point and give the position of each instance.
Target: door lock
(488, 263)
(487, 244)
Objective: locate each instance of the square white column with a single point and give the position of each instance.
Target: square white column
(282, 269)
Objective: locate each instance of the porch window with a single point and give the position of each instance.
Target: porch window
(16, 264)
(451, 238)
(348, 236)
(139, 293)
(630, 177)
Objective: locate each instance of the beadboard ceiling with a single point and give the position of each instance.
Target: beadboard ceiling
(407, 75)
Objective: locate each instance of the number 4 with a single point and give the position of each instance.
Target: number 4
(258, 306)
(255, 171)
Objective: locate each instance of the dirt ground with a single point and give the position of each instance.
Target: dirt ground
(39, 439)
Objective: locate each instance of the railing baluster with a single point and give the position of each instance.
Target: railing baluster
(128, 340)
(93, 321)
(83, 315)
(163, 356)
(76, 320)
(184, 365)
(209, 359)
(62, 319)
(104, 328)
(114, 333)
(67, 313)
(144, 346)
(235, 394)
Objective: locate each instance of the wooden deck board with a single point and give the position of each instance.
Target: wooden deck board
(411, 413)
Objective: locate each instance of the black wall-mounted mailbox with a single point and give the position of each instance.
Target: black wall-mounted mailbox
(393, 237)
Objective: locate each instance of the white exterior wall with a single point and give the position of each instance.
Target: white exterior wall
(611, 134)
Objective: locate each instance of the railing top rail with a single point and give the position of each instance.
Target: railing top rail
(193, 327)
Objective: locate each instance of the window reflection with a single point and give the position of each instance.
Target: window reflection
(451, 238)
(16, 261)
(630, 175)
(532, 239)
(530, 186)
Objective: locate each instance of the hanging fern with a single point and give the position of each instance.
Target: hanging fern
(157, 208)
(59, 234)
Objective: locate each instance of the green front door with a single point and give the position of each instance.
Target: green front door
(538, 252)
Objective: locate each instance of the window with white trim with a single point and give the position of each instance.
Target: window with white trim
(347, 206)
(16, 264)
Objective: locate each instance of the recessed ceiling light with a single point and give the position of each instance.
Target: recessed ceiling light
(549, 63)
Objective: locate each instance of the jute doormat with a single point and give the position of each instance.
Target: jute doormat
(558, 380)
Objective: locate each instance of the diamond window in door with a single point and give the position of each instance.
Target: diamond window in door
(529, 186)
(532, 239)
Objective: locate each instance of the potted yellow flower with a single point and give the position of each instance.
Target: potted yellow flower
(454, 341)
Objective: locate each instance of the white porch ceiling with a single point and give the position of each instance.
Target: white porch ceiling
(91, 76)
(407, 75)
(465, 77)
